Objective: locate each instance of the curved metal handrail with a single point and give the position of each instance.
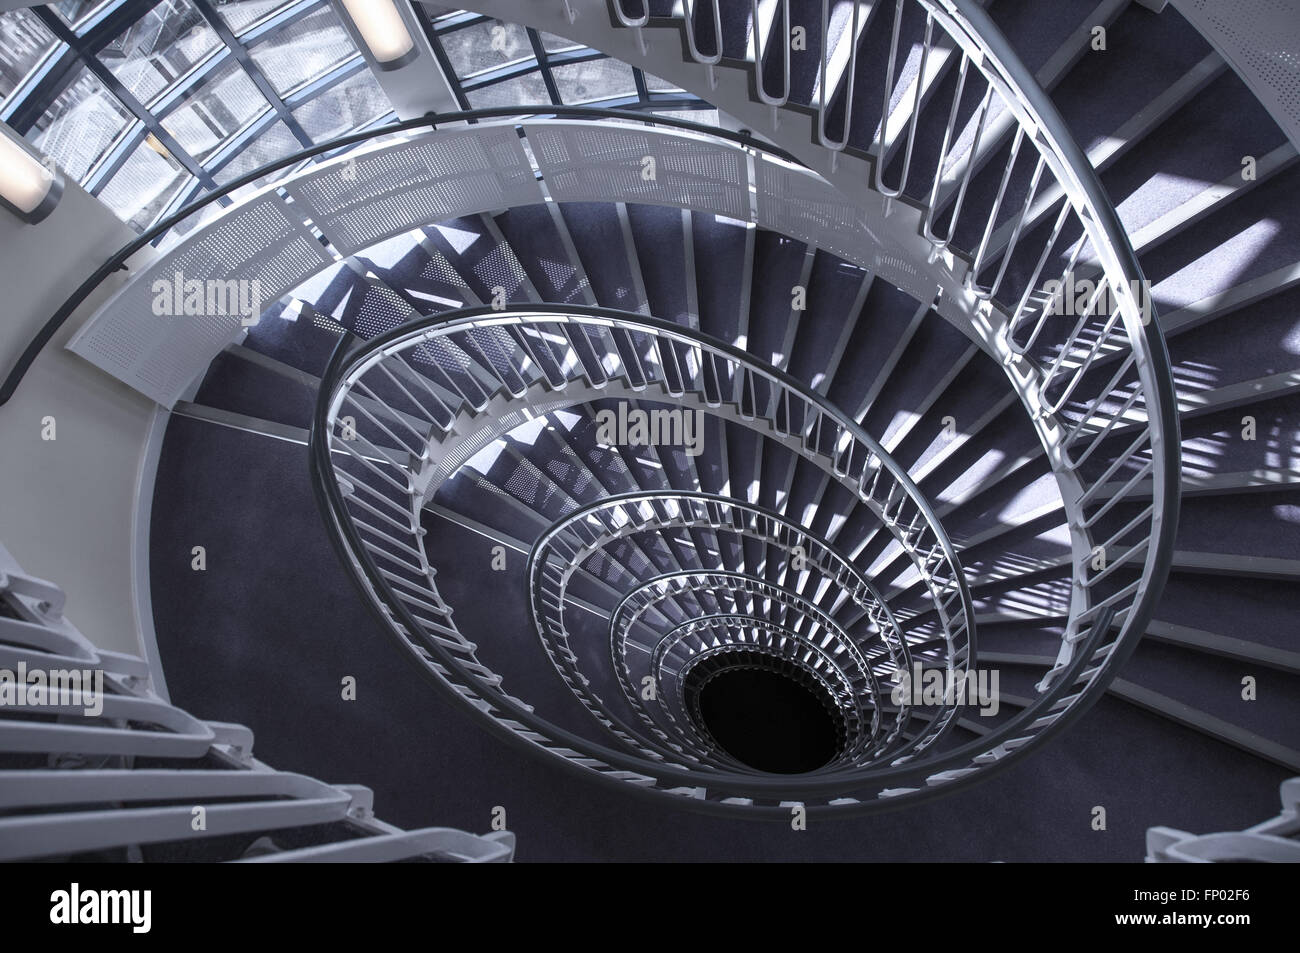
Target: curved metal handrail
(693, 509)
(1085, 643)
(417, 333)
(1047, 378)
(1111, 244)
(1148, 360)
(118, 260)
(1058, 367)
(928, 770)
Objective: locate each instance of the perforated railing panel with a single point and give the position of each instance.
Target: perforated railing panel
(156, 336)
(358, 201)
(1261, 39)
(792, 202)
(581, 163)
(354, 203)
(375, 195)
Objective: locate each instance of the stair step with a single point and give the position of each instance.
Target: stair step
(245, 387)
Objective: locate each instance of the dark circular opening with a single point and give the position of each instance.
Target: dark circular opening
(768, 720)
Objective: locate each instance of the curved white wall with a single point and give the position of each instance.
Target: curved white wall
(68, 505)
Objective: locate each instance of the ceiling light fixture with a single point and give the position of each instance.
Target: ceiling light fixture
(28, 187)
(383, 31)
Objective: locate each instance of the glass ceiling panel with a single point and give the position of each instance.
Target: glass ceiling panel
(163, 45)
(705, 117)
(83, 122)
(304, 50)
(656, 85)
(242, 14)
(558, 44)
(275, 143)
(24, 42)
(145, 185)
(355, 102)
(486, 46)
(593, 80)
(530, 88)
(74, 12)
(214, 112)
(80, 125)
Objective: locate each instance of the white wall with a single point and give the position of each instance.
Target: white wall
(67, 505)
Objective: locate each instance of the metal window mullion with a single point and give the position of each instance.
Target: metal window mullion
(502, 75)
(543, 63)
(115, 158)
(106, 23)
(462, 19)
(251, 69)
(583, 55)
(49, 79)
(180, 91)
(323, 84)
(187, 195)
(642, 90)
(232, 148)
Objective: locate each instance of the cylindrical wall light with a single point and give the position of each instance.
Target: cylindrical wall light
(28, 188)
(383, 31)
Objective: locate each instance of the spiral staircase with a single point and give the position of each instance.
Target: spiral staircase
(887, 448)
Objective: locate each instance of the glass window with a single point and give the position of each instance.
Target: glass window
(145, 185)
(656, 85)
(275, 143)
(304, 50)
(242, 14)
(486, 46)
(73, 12)
(705, 117)
(24, 42)
(349, 105)
(210, 115)
(80, 125)
(159, 48)
(529, 88)
(593, 80)
(558, 44)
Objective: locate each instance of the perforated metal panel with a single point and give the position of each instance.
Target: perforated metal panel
(583, 163)
(161, 354)
(381, 311)
(794, 202)
(372, 196)
(1261, 39)
(367, 198)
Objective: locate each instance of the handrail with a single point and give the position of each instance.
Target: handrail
(1124, 329)
(1004, 71)
(618, 764)
(117, 261)
(983, 45)
(620, 768)
(864, 595)
(1165, 441)
(1078, 671)
(345, 361)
